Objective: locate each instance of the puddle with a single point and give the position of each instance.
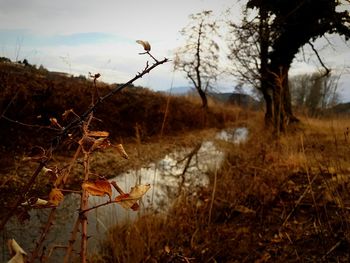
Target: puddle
(237, 136)
(186, 169)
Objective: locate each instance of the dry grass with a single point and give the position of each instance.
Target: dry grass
(32, 97)
(284, 200)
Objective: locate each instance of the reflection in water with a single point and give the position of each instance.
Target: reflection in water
(186, 168)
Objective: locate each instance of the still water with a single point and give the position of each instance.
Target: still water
(180, 170)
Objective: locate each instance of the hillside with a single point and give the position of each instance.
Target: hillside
(30, 97)
(271, 199)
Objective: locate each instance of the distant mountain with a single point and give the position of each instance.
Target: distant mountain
(341, 108)
(181, 90)
(239, 99)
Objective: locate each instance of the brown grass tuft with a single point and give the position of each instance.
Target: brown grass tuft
(275, 200)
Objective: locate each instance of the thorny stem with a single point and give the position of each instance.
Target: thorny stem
(119, 190)
(72, 241)
(83, 207)
(53, 210)
(78, 121)
(24, 191)
(43, 234)
(85, 198)
(97, 206)
(73, 124)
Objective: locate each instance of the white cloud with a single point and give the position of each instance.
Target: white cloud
(47, 32)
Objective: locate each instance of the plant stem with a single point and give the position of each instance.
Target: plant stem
(83, 207)
(72, 241)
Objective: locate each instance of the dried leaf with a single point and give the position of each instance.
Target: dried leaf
(121, 151)
(37, 154)
(98, 188)
(146, 45)
(129, 200)
(98, 134)
(264, 258)
(55, 123)
(100, 143)
(167, 249)
(16, 251)
(86, 143)
(35, 202)
(244, 210)
(55, 196)
(66, 113)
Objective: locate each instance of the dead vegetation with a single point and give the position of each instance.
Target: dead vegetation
(284, 200)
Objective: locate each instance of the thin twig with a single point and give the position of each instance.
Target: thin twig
(320, 60)
(78, 121)
(55, 247)
(52, 214)
(43, 235)
(24, 191)
(74, 123)
(119, 190)
(30, 125)
(97, 206)
(213, 194)
(72, 241)
(188, 162)
(331, 250)
(9, 104)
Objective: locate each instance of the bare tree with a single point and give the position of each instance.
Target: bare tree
(314, 91)
(199, 57)
(281, 29)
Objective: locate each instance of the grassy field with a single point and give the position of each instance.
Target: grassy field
(284, 200)
(274, 199)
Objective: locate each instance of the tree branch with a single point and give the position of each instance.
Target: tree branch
(73, 124)
(320, 60)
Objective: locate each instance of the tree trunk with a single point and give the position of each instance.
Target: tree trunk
(204, 99)
(264, 33)
(268, 105)
(282, 106)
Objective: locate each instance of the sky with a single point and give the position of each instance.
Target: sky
(78, 37)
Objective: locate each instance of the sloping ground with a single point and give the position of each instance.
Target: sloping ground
(32, 97)
(148, 124)
(284, 200)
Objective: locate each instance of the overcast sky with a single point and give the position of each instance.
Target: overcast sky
(78, 37)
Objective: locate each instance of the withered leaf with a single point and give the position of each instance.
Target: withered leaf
(121, 151)
(86, 143)
(100, 143)
(98, 134)
(89, 144)
(55, 196)
(146, 45)
(19, 255)
(55, 123)
(243, 209)
(66, 113)
(36, 154)
(130, 200)
(98, 188)
(35, 202)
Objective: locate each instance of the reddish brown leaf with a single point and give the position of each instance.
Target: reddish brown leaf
(130, 200)
(98, 188)
(55, 196)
